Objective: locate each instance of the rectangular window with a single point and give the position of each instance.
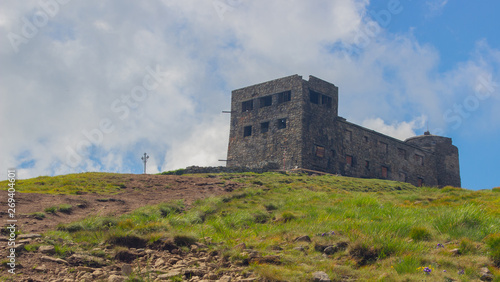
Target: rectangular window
(366, 139)
(320, 151)
(266, 101)
(419, 159)
(402, 176)
(282, 123)
(384, 172)
(349, 160)
(348, 135)
(367, 165)
(247, 131)
(384, 147)
(402, 153)
(284, 97)
(264, 127)
(314, 97)
(247, 106)
(420, 182)
(334, 154)
(326, 100)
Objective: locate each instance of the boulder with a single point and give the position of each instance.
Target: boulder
(320, 276)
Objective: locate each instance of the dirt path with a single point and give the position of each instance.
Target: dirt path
(140, 190)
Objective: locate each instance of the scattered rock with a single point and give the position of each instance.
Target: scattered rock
(240, 246)
(300, 249)
(485, 274)
(49, 249)
(455, 252)
(81, 259)
(126, 269)
(159, 262)
(320, 276)
(304, 238)
(40, 268)
(330, 250)
(19, 248)
(51, 259)
(169, 274)
(116, 278)
(225, 278)
(190, 272)
(28, 236)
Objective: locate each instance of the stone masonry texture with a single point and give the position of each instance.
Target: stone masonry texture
(292, 123)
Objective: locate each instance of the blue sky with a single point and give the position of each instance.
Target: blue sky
(92, 85)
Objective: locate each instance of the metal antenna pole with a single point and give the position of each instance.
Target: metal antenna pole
(145, 159)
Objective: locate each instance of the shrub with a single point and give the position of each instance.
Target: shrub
(288, 216)
(270, 207)
(51, 210)
(496, 189)
(65, 208)
(167, 209)
(467, 246)
(38, 215)
(493, 242)
(420, 234)
(260, 217)
(126, 240)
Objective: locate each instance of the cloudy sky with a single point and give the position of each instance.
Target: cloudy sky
(92, 85)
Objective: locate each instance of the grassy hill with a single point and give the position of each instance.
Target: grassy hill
(285, 227)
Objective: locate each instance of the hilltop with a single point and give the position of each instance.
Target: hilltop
(250, 227)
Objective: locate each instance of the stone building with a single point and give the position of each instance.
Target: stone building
(293, 123)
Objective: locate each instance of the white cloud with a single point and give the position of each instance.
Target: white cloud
(65, 80)
(399, 130)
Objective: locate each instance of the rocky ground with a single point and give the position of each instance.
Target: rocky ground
(166, 262)
(163, 261)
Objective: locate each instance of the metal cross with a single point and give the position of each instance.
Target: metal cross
(145, 159)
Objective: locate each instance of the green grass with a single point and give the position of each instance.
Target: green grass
(89, 182)
(391, 230)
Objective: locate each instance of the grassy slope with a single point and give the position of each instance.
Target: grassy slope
(98, 182)
(392, 228)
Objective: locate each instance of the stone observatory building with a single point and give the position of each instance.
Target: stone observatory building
(292, 123)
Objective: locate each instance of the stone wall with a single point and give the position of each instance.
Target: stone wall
(316, 138)
(281, 140)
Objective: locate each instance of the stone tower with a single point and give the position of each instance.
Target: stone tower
(293, 123)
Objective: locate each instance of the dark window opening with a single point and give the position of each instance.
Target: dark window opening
(419, 159)
(348, 135)
(333, 153)
(420, 182)
(326, 100)
(402, 176)
(366, 139)
(314, 97)
(282, 123)
(367, 165)
(402, 153)
(247, 131)
(266, 101)
(320, 151)
(264, 127)
(284, 97)
(384, 172)
(384, 147)
(349, 160)
(247, 106)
